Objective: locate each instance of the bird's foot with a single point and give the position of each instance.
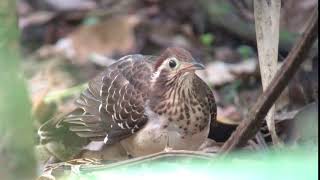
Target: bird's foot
(167, 149)
(210, 146)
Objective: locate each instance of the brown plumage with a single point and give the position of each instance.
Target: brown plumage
(143, 103)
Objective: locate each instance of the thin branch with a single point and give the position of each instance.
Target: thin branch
(247, 129)
(244, 12)
(151, 157)
(89, 166)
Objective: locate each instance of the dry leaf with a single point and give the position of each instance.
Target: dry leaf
(229, 115)
(218, 73)
(114, 36)
(63, 5)
(38, 17)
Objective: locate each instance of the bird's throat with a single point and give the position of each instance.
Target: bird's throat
(168, 97)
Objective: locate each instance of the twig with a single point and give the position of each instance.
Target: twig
(261, 141)
(151, 157)
(247, 129)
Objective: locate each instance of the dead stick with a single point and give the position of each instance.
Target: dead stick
(248, 128)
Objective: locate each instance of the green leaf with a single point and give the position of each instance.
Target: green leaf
(207, 39)
(245, 51)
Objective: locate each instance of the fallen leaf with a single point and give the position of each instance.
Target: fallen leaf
(305, 128)
(219, 73)
(63, 5)
(229, 115)
(112, 37)
(38, 17)
(170, 34)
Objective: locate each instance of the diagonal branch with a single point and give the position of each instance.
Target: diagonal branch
(248, 128)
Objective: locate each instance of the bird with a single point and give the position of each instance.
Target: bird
(140, 104)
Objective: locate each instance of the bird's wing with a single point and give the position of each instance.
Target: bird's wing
(112, 107)
(218, 131)
(212, 107)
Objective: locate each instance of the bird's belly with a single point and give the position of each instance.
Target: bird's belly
(154, 138)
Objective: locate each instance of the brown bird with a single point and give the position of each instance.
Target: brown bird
(143, 104)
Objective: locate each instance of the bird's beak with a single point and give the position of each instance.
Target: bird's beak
(193, 66)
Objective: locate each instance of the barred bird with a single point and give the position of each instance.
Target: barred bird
(143, 104)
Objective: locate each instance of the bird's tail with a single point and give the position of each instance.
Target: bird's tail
(59, 140)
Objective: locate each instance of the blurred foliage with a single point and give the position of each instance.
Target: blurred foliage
(60, 95)
(245, 51)
(222, 7)
(230, 91)
(92, 20)
(16, 140)
(207, 39)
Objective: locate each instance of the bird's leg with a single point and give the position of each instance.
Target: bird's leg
(168, 148)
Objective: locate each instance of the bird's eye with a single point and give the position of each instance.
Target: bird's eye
(172, 63)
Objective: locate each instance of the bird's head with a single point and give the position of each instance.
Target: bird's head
(174, 68)
(173, 80)
(174, 64)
